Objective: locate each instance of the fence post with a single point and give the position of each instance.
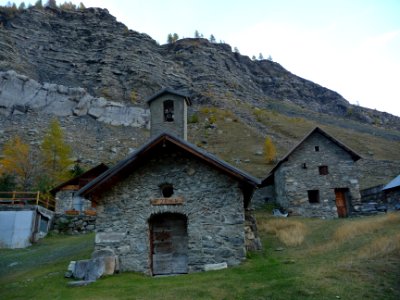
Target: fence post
(37, 198)
(13, 198)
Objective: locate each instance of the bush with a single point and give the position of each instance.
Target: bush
(193, 119)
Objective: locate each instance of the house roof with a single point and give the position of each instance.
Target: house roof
(172, 92)
(270, 177)
(392, 184)
(163, 141)
(93, 172)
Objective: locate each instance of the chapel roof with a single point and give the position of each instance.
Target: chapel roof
(164, 140)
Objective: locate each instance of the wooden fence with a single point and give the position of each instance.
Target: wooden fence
(27, 198)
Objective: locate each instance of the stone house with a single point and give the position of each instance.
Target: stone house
(171, 207)
(317, 178)
(64, 193)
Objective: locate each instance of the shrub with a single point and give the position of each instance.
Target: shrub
(193, 119)
(133, 97)
(212, 119)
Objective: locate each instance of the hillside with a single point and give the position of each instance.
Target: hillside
(301, 259)
(93, 73)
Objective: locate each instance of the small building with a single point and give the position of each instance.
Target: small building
(391, 193)
(171, 207)
(317, 178)
(64, 193)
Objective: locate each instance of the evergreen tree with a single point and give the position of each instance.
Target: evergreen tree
(253, 57)
(175, 37)
(196, 34)
(22, 6)
(39, 4)
(212, 38)
(56, 153)
(170, 38)
(51, 3)
(260, 56)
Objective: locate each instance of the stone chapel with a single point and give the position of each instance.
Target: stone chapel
(171, 207)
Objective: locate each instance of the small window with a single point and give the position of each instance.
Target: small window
(168, 111)
(167, 190)
(313, 196)
(323, 170)
(316, 148)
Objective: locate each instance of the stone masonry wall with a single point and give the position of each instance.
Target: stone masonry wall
(66, 200)
(79, 224)
(292, 180)
(213, 205)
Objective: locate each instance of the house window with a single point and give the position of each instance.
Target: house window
(316, 148)
(323, 170)
(313, 196)
(168, 111)
(167, 190)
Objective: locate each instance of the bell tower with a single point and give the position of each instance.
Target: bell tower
(168, 113)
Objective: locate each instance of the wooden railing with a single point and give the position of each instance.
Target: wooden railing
(27, 198)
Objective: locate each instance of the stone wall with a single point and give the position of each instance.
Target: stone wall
(66, 200)
(79, 224)
(392, 197)
(300, 173)
(372, 194)
(263, 196)
(212, 203)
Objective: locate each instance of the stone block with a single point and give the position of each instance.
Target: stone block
(95, 268)
(214, 267)
(109, 237)
(80, 268)
(80, 283)
(103, 253)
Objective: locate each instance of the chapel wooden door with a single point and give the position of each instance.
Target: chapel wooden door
(169, 242)
(341, 204)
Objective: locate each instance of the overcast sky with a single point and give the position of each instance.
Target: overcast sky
(349, 46)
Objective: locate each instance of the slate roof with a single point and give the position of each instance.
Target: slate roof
(395, 183)
(93, 172)
(270, 177)
(169, 91)
(125, 167)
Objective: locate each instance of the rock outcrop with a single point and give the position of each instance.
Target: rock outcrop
(20, 94)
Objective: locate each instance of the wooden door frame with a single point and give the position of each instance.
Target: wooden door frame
(345, 192)
(151, 234)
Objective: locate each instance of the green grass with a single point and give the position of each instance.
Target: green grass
(331, 262)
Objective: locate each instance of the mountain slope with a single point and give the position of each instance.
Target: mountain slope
(90, 49)
(94, 74)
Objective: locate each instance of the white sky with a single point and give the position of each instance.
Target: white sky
(349, 46)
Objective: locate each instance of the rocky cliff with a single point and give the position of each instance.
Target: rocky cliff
(89, 49)
(94, 74)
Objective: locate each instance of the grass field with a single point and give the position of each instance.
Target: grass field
(301, 259)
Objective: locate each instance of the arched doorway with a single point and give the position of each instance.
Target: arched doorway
(168, 244)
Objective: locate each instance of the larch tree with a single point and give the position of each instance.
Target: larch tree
(56, 154)
(269, 150)
(18, 161)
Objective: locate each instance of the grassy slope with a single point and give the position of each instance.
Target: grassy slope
(232, 140)
(334, 260)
